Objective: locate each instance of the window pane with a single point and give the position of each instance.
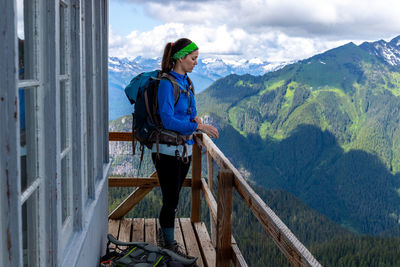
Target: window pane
(30, 236)
(21, 37)
(21, 95)
(27, 36)
(66, 188)
(20, 19)
(28, 136)
(63, 39)
(64, 114)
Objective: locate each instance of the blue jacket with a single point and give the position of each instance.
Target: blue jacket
(177, 118)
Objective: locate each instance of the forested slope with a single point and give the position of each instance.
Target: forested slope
(325, 129)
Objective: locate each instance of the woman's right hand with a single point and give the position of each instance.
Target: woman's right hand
(211, 131)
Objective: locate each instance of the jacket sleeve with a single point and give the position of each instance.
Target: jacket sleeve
(167, 114)
(193, 107)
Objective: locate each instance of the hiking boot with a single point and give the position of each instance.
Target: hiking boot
(178, 249)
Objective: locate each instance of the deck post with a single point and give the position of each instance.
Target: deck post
(224, 218)
(210, 177)
(210, 172)
(196, 184)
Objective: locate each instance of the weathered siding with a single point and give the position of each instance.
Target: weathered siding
(10, 215)
(78, 37)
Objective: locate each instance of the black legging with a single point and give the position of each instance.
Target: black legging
(171, 173)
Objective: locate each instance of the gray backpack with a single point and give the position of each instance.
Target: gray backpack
(141, 254)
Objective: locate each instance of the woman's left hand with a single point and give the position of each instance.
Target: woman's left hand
(210, 130)
(198, 120)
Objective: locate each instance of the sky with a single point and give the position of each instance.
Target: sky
(270, 30)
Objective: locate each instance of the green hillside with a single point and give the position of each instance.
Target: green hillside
(330, 243)
(325, 129)
(320, 140)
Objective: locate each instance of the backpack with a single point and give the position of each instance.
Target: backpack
(141, 254)
(146, 124)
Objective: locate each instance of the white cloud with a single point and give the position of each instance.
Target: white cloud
(273, 30)
(20, 19)
(302, 17)
(219, 41)
(147, 44)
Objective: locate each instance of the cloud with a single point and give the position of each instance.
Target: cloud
(146, 44)
(331, 18)
(273, 30)
(20, 19)
(219, 41)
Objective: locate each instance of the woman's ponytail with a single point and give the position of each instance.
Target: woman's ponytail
(167, 62)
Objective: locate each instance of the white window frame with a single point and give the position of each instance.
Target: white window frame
(87, 137)
(64, 135)
(32, 195)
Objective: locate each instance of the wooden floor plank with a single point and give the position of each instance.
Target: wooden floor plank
(178, 234)
(205, 243)
(186, 234)
(138, 230)
(150, 231)
(113, 227)
(190, 240)
(125, 230)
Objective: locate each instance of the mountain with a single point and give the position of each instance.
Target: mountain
(325, 129)
(388, 52)
(330, 243)
(208, 70)
(320, 136)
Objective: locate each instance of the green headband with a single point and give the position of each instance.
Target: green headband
(185, 51)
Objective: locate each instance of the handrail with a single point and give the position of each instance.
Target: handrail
(296, 253)
(292, 248)
(140, 181)
(120, 136)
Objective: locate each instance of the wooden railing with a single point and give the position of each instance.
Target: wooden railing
(229, 178)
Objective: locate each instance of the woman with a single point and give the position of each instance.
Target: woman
(179, 58)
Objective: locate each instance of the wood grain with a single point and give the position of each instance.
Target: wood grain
(150, 231)
(138, 230)
(224, 218)
(140, 181)
(205, 244)
(192, 246)
(125, 230)
(196, 184)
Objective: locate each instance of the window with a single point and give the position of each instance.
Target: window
(59, 154)
(65, 120)
(28, 92)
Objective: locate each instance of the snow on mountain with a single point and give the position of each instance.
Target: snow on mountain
(387, 51)
(207, 71)
(209, 68)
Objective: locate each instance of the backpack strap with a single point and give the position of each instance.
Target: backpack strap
(177, 89)
(133, 135)
(191, 87)
(175, 84)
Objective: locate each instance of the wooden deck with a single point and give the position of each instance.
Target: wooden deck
(191, 233)
(193, 237)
